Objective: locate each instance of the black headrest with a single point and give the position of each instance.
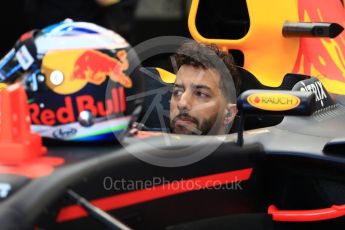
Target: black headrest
(249, 81)
(157, 96)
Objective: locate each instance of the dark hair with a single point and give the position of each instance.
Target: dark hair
(209, 56)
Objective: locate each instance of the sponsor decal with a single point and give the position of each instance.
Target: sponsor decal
(65, 133)
(94, 67)
(65, 114)
(273, 101)
(81, 67)
(317, 88)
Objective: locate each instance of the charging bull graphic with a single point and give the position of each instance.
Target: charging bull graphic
(80, 67)
(323, 57)
(95, 66)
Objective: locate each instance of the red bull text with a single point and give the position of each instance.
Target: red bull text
(116, 104)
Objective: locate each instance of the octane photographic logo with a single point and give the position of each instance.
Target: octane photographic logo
(167, 149)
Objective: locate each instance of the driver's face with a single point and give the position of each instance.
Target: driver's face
(196, 101)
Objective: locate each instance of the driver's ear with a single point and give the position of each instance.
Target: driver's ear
(230, 113)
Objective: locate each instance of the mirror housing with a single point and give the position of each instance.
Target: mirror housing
(273, 102)
(276, 102)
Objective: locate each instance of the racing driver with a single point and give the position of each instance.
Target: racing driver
(204, 93)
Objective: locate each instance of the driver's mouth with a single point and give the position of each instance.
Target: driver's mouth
(187, 125)
(185, 122)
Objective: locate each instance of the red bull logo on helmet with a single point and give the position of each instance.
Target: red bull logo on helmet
(80, 67)
(94, 66)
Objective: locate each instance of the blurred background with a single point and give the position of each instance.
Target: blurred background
(135, 20)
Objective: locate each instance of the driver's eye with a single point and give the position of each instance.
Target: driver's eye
(177, 92)
(201, 94)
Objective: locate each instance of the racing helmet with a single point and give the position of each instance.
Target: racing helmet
(77, 76)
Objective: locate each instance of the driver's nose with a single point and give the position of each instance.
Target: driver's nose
(185, 101)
